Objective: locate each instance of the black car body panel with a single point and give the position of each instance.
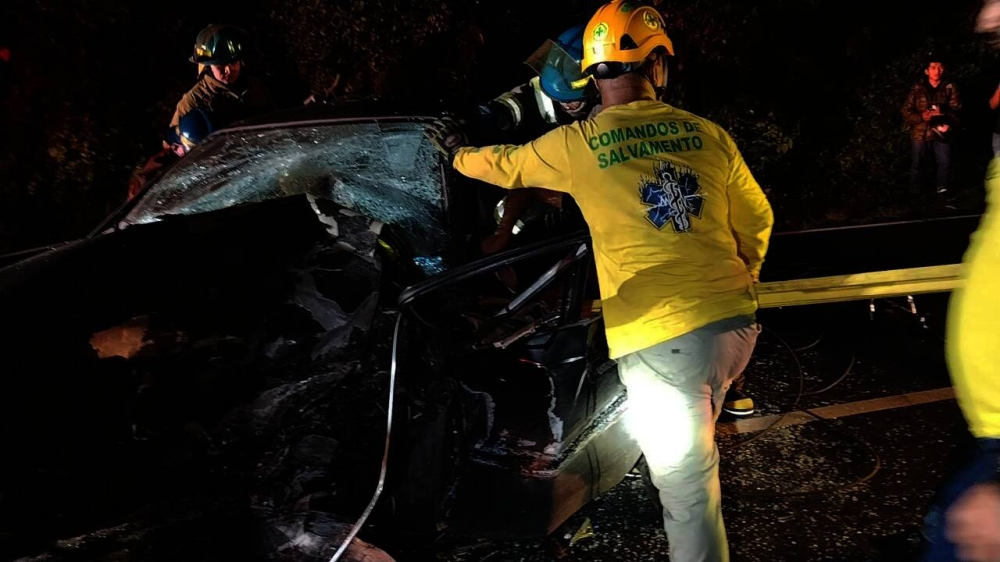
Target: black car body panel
(200, 366)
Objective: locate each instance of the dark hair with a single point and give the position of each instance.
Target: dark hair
(933, 57)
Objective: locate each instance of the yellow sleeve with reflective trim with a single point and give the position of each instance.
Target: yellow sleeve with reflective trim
(543, 162)
(750, 213)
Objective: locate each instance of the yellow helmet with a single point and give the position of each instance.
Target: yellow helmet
(621, 32)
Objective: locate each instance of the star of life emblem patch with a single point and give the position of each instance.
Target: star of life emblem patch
(672, 196)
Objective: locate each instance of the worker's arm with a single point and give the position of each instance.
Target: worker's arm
(544, 161)
(995, 100)
(750, 214)
(186, 104)
(508, 112)
(514, 206)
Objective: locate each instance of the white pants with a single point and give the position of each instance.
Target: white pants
(675, 393)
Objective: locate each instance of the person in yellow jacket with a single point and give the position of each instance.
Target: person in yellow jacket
(964, 521)
(964, 524)
(680, 229)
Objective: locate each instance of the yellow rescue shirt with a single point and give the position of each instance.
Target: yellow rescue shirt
(679, 225)
(973, 332)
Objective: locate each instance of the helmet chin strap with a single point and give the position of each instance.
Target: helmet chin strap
(661, 89)
(658, 79)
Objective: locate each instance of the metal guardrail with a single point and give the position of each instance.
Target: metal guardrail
(771, 294)
(878, 284)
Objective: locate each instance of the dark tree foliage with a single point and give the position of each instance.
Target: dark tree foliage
(810, 89)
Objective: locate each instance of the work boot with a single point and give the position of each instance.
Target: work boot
(737, 403)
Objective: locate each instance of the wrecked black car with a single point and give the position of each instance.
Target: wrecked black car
(288, 348)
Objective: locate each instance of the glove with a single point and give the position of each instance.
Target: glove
(447, 136)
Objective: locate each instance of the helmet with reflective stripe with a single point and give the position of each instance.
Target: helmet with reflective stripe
(561, 77)
(623, 34)
(219, 44)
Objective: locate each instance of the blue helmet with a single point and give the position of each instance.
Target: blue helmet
(561, 77)
(571, 41)
(193, 127)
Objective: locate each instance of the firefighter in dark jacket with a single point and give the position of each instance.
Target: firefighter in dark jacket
(931, 113)
(560, 94)
(224, 89)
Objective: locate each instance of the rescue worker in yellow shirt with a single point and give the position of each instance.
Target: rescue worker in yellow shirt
(680, 228)
(964, 522)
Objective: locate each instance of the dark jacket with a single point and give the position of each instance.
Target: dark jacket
(521, 115)
(921, 97)
(225, 103)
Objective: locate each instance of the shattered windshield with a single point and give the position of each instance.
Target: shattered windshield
(387, 171)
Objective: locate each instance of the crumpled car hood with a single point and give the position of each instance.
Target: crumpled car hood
(206, 387)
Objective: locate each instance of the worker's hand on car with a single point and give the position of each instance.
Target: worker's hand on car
(447, 136)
